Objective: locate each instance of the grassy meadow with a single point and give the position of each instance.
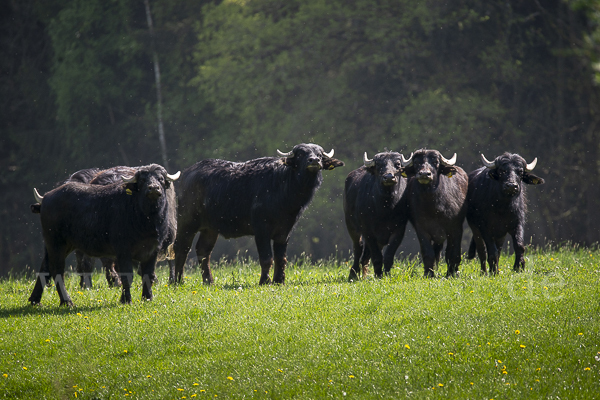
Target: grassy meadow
(534, 335)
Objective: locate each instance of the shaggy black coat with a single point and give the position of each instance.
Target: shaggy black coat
(263, 198)
(129, 221)
(376, 212)
(497, 207)
(437, 208)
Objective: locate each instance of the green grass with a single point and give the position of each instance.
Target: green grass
(527, 335)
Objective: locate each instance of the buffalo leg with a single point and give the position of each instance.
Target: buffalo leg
(42, 279)
(147, 270)
(376, 256)
(125, 268)
(182, 245)
(364, 259)
(204, 247)
(428, 255)
(493, 255)
(453, 254)
(56, 264)
(279, 250)
(479, 244)
(112, 278)
(85, 267)
(390, 251)
(358, 253)
(265, 257)
(519, 249)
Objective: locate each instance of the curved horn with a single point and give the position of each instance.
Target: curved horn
(37, 196)
(173, 177)
(531, 165)
(449, 162)
(368, 163)
(129, 179)
(489, 164)
(405, 162)
(330, 154)
(289, 154)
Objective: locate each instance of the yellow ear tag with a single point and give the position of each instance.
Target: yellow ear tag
(129, 192)
(403, 174)
(331, 167)
(450, 175)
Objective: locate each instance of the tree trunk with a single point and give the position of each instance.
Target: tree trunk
(161, 129)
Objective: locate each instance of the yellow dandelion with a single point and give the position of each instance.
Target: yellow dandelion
(472, 383)
(194, 395)
(580, 333)
(196, 384)
(79, 314)
(407, 346)
(25, 368)
(179, 389)
(5, 375)
(124, 351)
(194, 292)
(208, 299)
(440, 384)
(202, 390)
(47, 340)
(522, 346)
(230, 378)
(517, 332)
(148, 376)
(504, 372)
(450, 354)
(586, 369)
(538, 369)
(279, 370)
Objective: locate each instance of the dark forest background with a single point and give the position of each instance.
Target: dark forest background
(97, 83)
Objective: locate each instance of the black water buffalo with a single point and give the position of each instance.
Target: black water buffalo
(498, 206)
(128, 220)
(85, 264)
(376, 212)
(437, 194)
(263, 198)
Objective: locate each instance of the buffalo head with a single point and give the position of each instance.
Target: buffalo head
(150, 182)
(386, 166)
(510, 170)
(427, 165)
(311, 157)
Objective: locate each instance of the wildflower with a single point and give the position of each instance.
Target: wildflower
(351, 376)
(25, 368)
(125, 351)
(407, 346)
(195, 384)
(499, 362)
(230, 378)
(79, 314)
(517, 332)
(194, 292)
(522, 346)
(194, 395)
(47, 340)
(279, 370)
(149, 376)
(450, 354)
(440, 384)
(181, 390)
(5, 375)
(580, 333)
(472, 383)
(586, 369)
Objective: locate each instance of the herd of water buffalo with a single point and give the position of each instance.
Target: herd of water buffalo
(127, 214)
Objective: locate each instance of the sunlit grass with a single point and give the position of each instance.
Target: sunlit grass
(533, 334)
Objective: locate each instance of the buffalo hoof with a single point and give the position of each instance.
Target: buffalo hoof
(67, 303)
(353, 276)
(429, 273)
(125, 299)
(264, 281)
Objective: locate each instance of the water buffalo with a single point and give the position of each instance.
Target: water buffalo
(498, 206)
(263, 198)
(376, 212)
(437, 191)
(128, 220)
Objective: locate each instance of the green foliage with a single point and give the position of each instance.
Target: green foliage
(531, 334)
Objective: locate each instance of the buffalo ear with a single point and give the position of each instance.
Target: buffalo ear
(532, 179)
(331, 163)
(35, 208)
(448, 170)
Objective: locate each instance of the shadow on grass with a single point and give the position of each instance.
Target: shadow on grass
(40, 309)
